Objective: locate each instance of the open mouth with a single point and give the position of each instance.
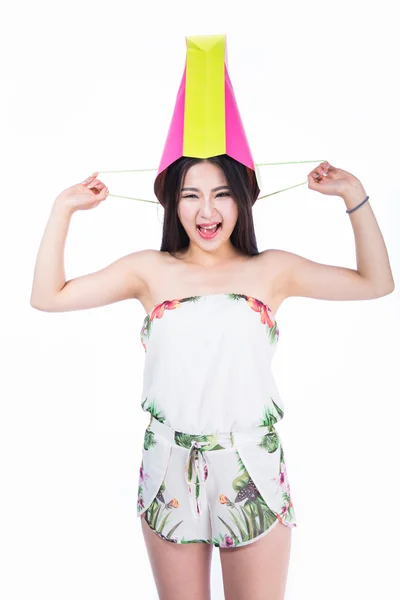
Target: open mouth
(208, 232)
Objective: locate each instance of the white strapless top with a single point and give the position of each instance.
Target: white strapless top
(208, 364)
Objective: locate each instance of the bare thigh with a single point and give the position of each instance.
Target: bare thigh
(180, 571)
(258, 570)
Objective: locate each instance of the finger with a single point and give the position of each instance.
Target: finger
(88, 179)
(315, 176)
(313, 183)
(320, 172)
(103, 193)
(96, 183)
(328, 168)
(99, 196)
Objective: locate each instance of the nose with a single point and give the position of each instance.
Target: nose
(207, 209)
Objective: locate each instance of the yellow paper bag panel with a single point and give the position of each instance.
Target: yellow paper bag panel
(204, 120)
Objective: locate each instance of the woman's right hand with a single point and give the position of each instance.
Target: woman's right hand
(85, 195)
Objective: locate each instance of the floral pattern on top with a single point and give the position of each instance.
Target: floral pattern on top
(266, 316)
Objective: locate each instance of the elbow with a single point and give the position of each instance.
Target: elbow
(386, 291)
(38, 306)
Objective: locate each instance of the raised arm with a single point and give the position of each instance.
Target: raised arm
(373, 277)
(120, 280)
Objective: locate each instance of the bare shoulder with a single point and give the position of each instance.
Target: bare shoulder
(290, 275)
(140, 265)
(144, 258)
(158, 272)
(281, 265)
(275, 257)
(278, 264)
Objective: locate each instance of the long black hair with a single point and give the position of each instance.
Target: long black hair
(244, 187)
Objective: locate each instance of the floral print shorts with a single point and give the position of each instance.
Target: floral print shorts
(227, 489)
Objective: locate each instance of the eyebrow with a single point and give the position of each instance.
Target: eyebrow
(194, 189)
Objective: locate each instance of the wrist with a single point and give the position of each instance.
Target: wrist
(61, 206)
(354, 195)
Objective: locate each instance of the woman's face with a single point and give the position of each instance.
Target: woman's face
(205, 199)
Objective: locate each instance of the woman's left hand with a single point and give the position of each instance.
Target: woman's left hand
(332, 181)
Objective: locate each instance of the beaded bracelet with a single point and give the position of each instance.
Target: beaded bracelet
(355, 208)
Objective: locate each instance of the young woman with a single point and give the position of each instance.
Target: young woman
(213, 468)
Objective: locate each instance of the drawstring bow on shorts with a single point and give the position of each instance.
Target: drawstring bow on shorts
(196, 473)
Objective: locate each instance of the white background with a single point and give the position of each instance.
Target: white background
(89, 87)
